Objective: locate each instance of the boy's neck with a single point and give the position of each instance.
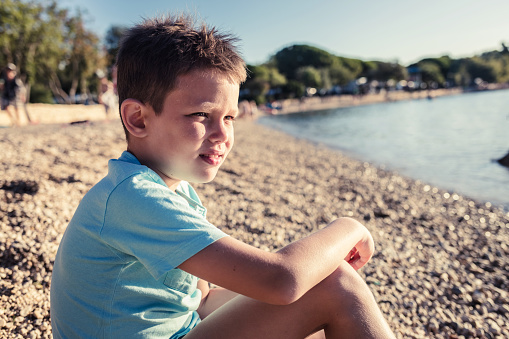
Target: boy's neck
(170, 182)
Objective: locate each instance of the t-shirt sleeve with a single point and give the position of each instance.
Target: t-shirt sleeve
(146, 220)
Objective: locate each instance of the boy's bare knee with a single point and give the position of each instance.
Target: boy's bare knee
(345, 290)
(352, 306)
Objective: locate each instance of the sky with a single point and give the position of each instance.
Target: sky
(404, 31)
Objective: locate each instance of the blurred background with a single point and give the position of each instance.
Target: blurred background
(294, 48)
(319, 59)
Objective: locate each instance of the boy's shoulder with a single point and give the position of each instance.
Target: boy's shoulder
(127, 166)
(127, 171)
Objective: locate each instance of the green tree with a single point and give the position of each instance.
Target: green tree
(431, 73)
(459, 73)
(340, 75)
(31, 37)
(479, 68)
(51, 48)
(499, 61)
(79, 63)
(292, 58)
(293, 89)
(261, 79)
(384, 71)
(355, 66)
(309, 76)
(343, 70)
(111, 43)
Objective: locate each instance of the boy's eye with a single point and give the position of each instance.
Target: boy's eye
(230, 117)
(200, 114)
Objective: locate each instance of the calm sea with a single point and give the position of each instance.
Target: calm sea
(449, 142)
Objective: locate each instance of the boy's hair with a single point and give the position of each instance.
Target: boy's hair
(154, 53)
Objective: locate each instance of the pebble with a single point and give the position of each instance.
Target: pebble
(441, 264)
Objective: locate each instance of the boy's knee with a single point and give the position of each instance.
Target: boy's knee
(345, 288)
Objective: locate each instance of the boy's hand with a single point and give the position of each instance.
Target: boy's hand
(362, 252)
(282, 277)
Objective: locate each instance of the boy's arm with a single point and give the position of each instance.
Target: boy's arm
(282, 277)
(212, 298)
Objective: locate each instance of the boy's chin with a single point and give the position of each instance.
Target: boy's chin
(205, 179)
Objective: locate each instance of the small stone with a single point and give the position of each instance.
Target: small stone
(38, 314)
(433, 326)
(503, 309)
(457, 290)
(494, 328)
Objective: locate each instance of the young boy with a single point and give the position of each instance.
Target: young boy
(136, 258)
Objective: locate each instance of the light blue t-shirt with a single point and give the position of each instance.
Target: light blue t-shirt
(115, 272)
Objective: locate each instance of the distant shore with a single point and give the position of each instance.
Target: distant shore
(348, 100)
(57, 114)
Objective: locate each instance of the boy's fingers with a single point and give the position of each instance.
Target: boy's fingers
(351, 254)
(356, 261)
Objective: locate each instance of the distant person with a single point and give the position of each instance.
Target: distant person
(137, 257)
(107, 96)
(245, 110)
(254, 108)
(13, 95)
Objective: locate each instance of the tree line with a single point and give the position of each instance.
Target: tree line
(60, 60)
(294, 69)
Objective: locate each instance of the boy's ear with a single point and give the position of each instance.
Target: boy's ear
(133, 114)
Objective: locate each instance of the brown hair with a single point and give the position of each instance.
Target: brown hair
(154, 53)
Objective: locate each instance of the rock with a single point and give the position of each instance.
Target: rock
(504, 161)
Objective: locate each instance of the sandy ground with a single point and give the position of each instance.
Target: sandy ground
(60, 114)
(441, 268)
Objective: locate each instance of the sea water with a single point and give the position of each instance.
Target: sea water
(450, 142)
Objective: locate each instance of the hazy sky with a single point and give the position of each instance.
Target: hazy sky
(387, 30)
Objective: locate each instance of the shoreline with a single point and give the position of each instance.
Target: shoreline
(440, 268)
(63, 114)
(291, 106)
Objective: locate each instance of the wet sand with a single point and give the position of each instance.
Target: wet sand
(441, 267)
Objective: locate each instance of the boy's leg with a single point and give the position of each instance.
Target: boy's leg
(342, 305)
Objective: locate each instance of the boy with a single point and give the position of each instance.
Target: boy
(136, 258)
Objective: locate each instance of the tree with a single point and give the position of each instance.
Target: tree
(343, 70)
(51, 48)
(31, 37)
(261, 79)
(309, 76)
(431, 73)
(384, 71)
(499, 61)
(111, 43)
(340, 75)
(459, 73)
(290, 59)
(80, 61)
(479, 68)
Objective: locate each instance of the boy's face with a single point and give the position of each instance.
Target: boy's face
(192, 136)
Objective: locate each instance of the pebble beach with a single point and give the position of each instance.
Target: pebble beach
(441, 265)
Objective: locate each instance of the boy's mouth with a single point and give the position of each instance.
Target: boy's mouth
(212, 159)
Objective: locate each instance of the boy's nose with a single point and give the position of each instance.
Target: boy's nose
(219, 133)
